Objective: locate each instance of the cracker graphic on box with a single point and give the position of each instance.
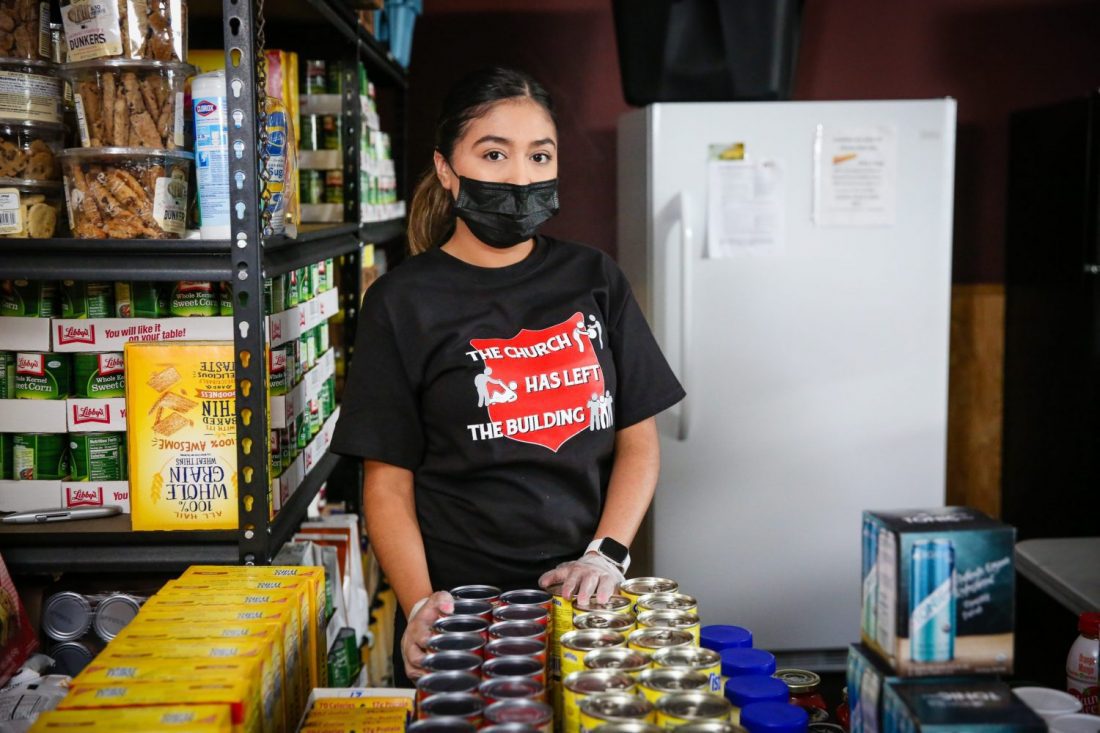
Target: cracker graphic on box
(182, 434)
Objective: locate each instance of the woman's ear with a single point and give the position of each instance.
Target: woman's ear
(443, 170)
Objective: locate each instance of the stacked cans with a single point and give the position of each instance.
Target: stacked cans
(289, 362)
(80, 625)
(487, 662)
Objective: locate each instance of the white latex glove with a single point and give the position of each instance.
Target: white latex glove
(581, 579)
(419, 629)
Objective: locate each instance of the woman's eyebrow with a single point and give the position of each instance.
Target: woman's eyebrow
(544, 141)
(493, 139)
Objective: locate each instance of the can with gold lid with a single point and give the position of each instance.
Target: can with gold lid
(635, 588)
(668, 602)
(709, 726)
(620, 660)
(691, 707)
(651, 639)
(614, 707)
(624, 623)
(707, 661)
(656, 683)
(580, 685)
(576, 644)
(670, 620)
(615, 604)
(631, 727)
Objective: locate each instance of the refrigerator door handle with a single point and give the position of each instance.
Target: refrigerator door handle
(687, 248)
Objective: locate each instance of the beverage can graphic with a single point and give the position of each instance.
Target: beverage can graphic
(870, 577)
(932, 601)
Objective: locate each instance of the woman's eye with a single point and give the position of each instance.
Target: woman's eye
(494, 155)
(541, 157)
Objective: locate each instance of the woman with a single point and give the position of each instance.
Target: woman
(505, 384)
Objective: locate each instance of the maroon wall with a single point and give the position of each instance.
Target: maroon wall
(992, 55)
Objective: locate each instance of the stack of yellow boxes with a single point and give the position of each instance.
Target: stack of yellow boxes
(250, 640)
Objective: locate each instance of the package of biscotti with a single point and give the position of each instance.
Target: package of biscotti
(181, 425)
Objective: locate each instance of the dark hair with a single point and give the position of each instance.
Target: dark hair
(431, 215)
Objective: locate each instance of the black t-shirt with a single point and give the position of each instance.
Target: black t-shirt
(501, 389)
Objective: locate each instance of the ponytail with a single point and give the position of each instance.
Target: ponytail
(431, 215)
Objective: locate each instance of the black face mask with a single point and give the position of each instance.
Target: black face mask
(503, 214)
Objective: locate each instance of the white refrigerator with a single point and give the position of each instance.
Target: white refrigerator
(794, 260)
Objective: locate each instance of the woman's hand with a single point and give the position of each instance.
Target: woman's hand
(592, 574)
(415, 641)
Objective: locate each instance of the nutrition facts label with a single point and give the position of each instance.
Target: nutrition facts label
(29, 97)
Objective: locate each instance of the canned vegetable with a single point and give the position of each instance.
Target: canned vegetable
(613, 707)
(637, 587)
(98, 456)
(39, 456)
(650, 640)
(656, 683)
(42, 376)
(99, 375)
(80, 299)
(690, 707)
(621, 660)
(66, 616)
(624, 623)
(670, 620)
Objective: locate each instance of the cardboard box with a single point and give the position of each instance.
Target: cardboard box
(111, 334)
(359, 697)
(175, 718)
(95, 416)
(182, 435)
(25, 496)
(95, 493)
(939, 591)
(956, 706)
(25, 334)
(238, 695)
(32, 416)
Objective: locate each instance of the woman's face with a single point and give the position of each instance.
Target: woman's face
(513, 142)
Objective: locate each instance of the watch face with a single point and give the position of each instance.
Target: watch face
(614, 550)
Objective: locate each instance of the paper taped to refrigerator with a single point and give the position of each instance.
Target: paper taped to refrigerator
(745, 207)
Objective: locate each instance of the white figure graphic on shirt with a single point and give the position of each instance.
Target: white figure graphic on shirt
(608, 410)
(594, 412)
(482, 381)
(595, 330)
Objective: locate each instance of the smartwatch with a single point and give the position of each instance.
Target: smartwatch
(614, 552)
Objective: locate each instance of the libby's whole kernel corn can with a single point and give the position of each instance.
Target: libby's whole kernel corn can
(225, 299)
(41, 376)
(140, 299)
(279, 376)
(190, 298)
(99, 375)
(98, 456)
(6, 470)
(82, 299)
(28, 298)
(39, 456)
(7, 375)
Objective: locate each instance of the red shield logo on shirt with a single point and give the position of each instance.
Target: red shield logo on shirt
(544, 387)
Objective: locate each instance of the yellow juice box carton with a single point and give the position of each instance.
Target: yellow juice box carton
(182, 434)
(270, 636)
(239, 598)
(301, 588)
(226, 622)
(238, 695)
(174, 718)
(253, 658)
(317, 604)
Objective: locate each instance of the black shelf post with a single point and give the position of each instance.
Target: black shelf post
(246, 100)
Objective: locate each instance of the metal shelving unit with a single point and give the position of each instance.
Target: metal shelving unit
(245, 259)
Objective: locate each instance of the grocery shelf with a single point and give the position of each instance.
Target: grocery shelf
(109, 545)
(178, 259)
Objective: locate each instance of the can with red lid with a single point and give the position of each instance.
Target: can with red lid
(805, 691)
(528, 597)
(452, 662)
(539, 715)
(477, 592)
(461, 625)
(497, 689)
(514, 667)
(453, 705)
(522, 613)
(457, 642)
(438, 683)
(520, 647)
(473, 607)
(518, 630)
